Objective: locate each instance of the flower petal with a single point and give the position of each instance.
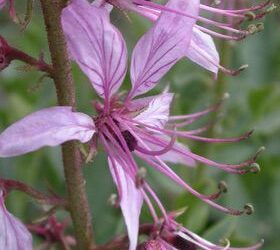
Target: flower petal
(131, 201)
(174, 155)
(157, 111)
(162, 46)
(47, 127)
(13, 234)
(202, 51)
(96, 45)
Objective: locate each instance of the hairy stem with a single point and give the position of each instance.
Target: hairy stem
(77, 198)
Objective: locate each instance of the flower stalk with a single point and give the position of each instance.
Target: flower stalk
(77, 198)
(9, 53)
(9, 185)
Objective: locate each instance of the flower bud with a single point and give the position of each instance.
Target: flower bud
(250, 15)
(255, 168)
(260, 26)
(222, 186)
(152, 245)
(4, 54)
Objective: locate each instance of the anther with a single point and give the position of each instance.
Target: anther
(250, 16)
(260, 150)
(217, 2)
(248, 134)
(240, 69)
(222, 186)
(140, 177)
(225, 242)
(255, 168)
(271, 8)
(226, 96)
(248, 209)
(113, 200)
(92, 153)
(243, 67)
(252, 29)
(260, 27)
(178, 212)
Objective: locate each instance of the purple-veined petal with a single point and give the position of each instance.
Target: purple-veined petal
(157, 111)
(140, 104)
(131, 201)
(47, 127)
(162, 46)
(202, 51)
(96, 45)
(137, 105)
(13, 234)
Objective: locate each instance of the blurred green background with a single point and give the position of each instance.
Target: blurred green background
(254, 104)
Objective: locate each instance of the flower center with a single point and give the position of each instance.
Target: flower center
(113, 132)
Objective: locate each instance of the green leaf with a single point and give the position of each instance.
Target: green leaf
(197, 217)
(222, 230)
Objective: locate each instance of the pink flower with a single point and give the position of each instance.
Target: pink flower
(126, 127)
(13, 234)
(201, 48)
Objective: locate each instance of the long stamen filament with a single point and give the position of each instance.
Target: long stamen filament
(167, 148)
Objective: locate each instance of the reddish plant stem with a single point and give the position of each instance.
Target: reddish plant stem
(16, 54)
(9, 185)
(75, 182)
(8, 54)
